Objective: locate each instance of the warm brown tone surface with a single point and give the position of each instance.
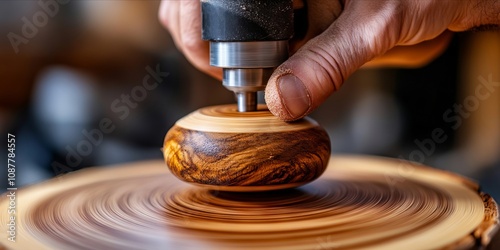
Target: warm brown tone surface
(359, 202)
(227, 150)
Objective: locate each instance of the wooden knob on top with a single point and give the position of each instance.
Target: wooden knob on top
(224, 149)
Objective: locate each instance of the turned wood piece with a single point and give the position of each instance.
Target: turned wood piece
(224, 149)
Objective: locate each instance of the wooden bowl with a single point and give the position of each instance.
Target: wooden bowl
(221, 148)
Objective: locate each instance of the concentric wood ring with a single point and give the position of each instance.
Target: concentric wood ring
(368, 203)
(227, 119)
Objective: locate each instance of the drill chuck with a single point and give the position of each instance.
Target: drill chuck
(248, 39)
(247, 67)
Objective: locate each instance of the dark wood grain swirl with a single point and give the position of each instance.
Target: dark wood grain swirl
(247, 159)
(270, 155)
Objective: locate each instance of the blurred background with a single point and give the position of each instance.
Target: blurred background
(72, 68)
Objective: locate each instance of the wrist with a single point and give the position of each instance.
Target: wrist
(477, 14)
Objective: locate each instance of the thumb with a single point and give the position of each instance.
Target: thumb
(320, 67)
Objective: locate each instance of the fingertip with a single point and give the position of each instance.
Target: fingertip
(287, 97)
(274, 103)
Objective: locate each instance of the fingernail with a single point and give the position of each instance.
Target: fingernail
(294, 95)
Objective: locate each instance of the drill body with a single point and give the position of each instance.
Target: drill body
(248, 40)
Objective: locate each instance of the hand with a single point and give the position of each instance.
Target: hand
(182, 19)
(339, 40)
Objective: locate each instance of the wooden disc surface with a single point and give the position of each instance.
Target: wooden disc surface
(227, 119)
(359, 202)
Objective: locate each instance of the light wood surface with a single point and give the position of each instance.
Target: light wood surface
(220, 148)
(358, 203)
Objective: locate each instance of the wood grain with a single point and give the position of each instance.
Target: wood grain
(220, 148)
(358, 203)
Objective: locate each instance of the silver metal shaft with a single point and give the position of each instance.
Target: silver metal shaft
(247, 66)
(247, 101)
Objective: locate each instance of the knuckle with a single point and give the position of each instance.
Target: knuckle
(164, 19)
(329, 69)
(192, 41)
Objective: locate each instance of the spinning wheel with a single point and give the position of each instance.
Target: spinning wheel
(359, 202)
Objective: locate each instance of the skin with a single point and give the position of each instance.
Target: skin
(341, 37)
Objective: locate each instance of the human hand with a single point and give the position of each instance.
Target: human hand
(342, 36)
(182, 19)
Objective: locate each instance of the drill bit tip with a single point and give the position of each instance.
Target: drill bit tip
(247, 101)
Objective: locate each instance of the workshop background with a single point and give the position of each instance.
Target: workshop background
(68, 68)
